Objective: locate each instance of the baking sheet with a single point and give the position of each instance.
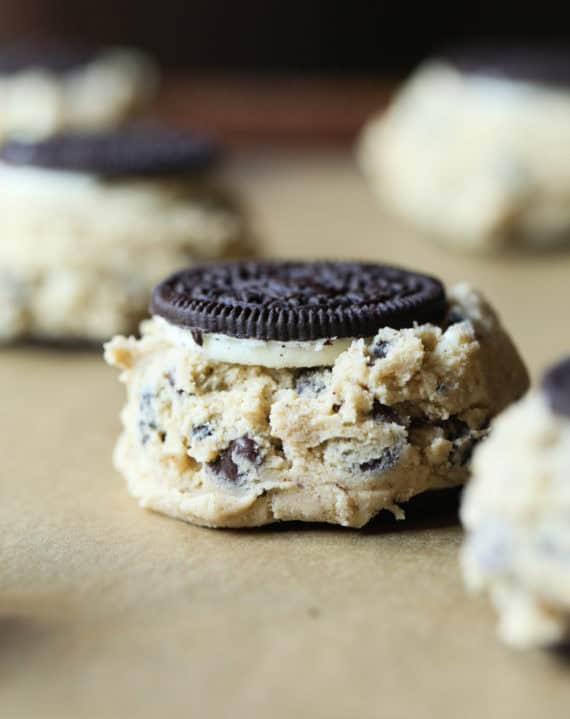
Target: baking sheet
(107, 610)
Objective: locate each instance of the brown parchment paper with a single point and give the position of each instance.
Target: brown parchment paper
(109, 611)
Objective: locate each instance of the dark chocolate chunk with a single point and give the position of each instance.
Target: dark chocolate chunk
(225, 464)
(556, 387)
(197, 336)
(383, 413)
(135, 150)
(310, 381)
(454, 428)
(467, 452)
(201, 431)
(544, 64)
(301, 301)
(387, 459)
(380, 349)
(147, 418)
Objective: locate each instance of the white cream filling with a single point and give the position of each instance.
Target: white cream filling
(263, 353)
(38, 181)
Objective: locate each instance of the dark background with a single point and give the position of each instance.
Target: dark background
(277, 35)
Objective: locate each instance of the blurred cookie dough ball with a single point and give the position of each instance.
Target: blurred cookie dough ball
(47, 89)
(473, 149)
(91, 222)
(516, 511)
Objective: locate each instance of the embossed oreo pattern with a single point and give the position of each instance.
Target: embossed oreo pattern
(296, 301)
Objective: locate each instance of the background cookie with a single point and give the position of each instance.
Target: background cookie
(516, 512)
(50, 87)
(92, 221)
(469, 150)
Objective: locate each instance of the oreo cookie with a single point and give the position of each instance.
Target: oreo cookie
(136, 150)
(545, 65)
(52, 57)
(302, 301)
(556, 387)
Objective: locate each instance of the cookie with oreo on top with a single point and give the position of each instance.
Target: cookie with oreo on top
(517, 515)
(50, 87)
(472, 149)
(91, 221)
(315, 391)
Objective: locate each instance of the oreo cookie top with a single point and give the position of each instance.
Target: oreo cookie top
(556, 387)
(297, 301)
(537, 64)
(126, 151)
(53, 57)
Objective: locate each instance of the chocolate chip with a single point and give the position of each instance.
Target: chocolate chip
(336, 408)
(147, 419)
(197, 336)
(225, 465)
(388, 458)
(311, 381)
(380, 349)
(467, 453)
(201, 431)
(464, 446)
(170, 378)
(419, 422)
(454, 428)
(246, 447)
(381, 412)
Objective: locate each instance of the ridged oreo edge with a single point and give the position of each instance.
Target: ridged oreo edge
(292, 301)
(134, 150)
(556, 387)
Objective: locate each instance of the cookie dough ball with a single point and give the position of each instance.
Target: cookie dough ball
(472, 150)
(323, 392)
(90, 223)
(47, 89)
(516, 512)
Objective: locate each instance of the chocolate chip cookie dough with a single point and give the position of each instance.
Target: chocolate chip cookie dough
(517, 515)
(49, 88)
(470, 151)
(265, 391)
(91, 222)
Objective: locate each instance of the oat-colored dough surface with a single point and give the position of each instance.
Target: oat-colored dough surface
(228, 445)
(109, 611)
(80, 254)
(473, 161)
(516, 515)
